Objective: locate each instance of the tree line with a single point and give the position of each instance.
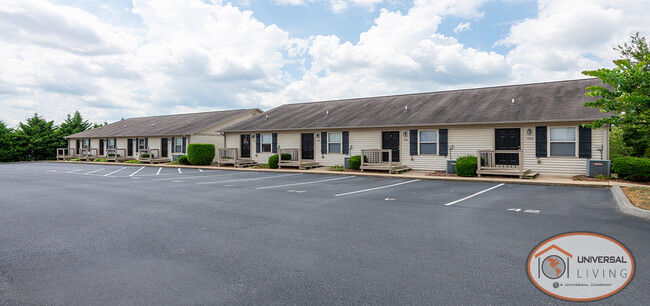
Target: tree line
(38, 139)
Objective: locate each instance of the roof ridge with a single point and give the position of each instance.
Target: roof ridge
(195, 113)
(435, 92)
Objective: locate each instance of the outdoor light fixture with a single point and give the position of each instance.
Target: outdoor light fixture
(529, 131)
(317, 135)
(404, 133)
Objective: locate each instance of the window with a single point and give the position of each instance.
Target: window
(266, 142)
(428, 142)
(563, 141)
(178, 146)
(334, 142)
(86, 143)
(142, 144)
(111, 143)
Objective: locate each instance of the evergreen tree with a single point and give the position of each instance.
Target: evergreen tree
(73, 124)
(39, 138)
(9, 148)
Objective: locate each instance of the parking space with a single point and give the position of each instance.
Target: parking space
(156, 235)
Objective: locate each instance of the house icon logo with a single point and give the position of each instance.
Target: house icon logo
(580, 266)
(552, 266)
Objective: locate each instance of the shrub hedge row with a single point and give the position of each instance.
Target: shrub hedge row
(632, 168)
(201, 153)
(183, 160)
(466, 166)
(273, 160)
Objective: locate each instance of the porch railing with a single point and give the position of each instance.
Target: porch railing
(114, 154)
(296, 156)
(500, 160)
(227, 155)
(65, 153)
(89, 152)
(375, 158)
(151, 154)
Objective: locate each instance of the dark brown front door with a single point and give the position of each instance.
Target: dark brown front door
(307, 145)
(507, 139)
(390, 141)
(101, 147)
(245, 146)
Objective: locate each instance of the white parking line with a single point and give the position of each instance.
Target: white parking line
(73, 171)
(201, 170)
(305, 183)
(250, 179)
(116, 171)
(95, 171)
(179, 170)
(371, 189)
(132, 174)
(197, 176)
(473, 195)
(159, 169)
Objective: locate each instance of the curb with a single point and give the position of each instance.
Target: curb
(626, 206)
(403, 176)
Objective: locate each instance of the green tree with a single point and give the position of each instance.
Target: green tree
(9, 148)
(39, 137)
(96, 125)
(73, 124)
(636, 50)
(627, 90)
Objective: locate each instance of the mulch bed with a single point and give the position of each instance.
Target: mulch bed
(441, 173)
(595, 179)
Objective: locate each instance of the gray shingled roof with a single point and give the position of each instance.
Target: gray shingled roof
(541, 102)
(168, 125)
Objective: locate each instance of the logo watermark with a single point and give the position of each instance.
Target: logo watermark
(580, 266)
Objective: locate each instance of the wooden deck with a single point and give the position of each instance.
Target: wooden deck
(152, 156)
(489, 164)
(65, 153)
(231, 156)
(88, 154)
(382, 160)
(296, 160)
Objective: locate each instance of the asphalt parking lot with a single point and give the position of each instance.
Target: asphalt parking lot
(97, 234)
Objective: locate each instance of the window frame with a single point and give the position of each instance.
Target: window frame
(575, 141)
(85, 144)
(178, 145)
(109, 145)
(270, 143)
(142, 145)
(420, 142)
(340, 142)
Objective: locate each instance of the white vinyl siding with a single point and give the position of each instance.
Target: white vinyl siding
(334, 142)
(562, 141)
(428, 142)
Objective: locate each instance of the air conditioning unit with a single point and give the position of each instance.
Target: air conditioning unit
(451, 166)
(597, 167)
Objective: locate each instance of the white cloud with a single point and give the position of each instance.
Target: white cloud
(336, 6)
(570, 36)
(462, 27)
(192, 55)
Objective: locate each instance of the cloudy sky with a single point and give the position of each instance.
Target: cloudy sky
(122, 58)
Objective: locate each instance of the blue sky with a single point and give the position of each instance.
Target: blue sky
(147, 57)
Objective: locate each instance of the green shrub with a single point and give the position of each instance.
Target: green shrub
(336, 168)
(466, 166)
(100, 160)
(273, 160)
(183, 160)
(133, 161)
(200, 153)
(75, 159)
(113, 154)
(144, 155)
(355, 161)
(632, 168)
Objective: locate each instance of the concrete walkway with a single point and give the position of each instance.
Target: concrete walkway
(548, 180)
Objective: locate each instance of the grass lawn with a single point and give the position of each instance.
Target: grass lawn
(639, 196)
